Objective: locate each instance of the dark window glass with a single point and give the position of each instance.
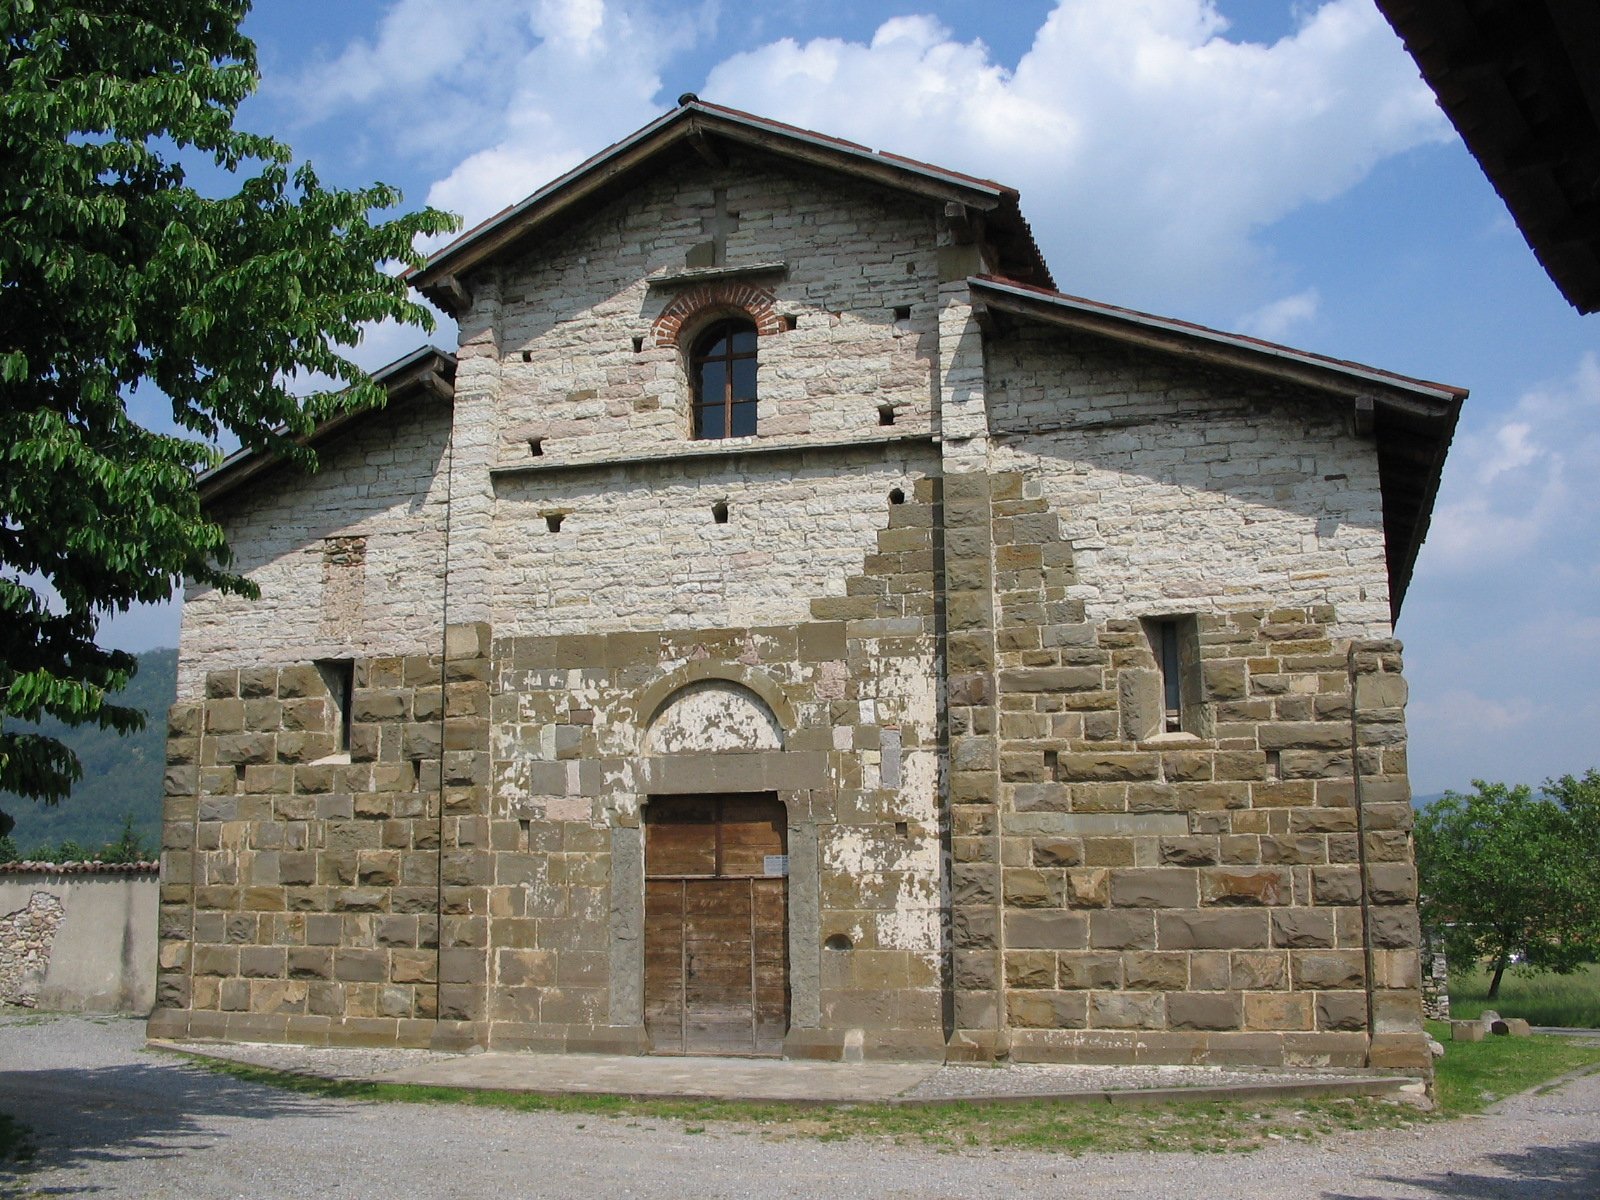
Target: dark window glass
(723, 369)
(1171, 674)
(744, 379)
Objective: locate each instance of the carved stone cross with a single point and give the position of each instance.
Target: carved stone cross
(719, 225)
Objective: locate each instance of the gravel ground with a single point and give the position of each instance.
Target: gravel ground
(115, 1121)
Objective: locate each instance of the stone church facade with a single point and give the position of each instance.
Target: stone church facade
(786, 624)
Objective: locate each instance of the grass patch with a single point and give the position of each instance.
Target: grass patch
(1544, 999)
(1473, 1075)
(1072, 1128)
(16, 1141)
(1470, 1077)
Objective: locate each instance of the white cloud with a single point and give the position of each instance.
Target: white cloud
(431, 70)
(498, 97)
(1274, 321)
(1517, 489)
(1471, 715)
(1149, 149)
(1502, 621)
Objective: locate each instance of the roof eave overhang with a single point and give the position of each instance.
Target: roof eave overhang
(426, 372)
(1520, 81)
(1412, 420)
(701, 128)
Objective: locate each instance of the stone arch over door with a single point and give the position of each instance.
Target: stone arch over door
(713, 716)
(749, 750)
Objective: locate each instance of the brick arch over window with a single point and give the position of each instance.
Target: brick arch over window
(758, 304)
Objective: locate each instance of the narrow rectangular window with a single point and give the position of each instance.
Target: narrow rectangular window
(339, 675)
(1171, 675)
(1179, 703)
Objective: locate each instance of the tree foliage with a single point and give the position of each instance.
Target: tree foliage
(1512, 876)
(119, 277)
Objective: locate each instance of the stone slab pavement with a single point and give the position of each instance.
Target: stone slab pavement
(791, 1081)
(113, 1120)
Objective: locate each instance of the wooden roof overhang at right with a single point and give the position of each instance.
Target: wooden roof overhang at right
(1520, 81)
(1410, 420)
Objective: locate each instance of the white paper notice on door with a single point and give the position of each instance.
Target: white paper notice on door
(775, 864)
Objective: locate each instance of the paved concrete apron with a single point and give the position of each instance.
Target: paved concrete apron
(777, 1079)
(117, 1121)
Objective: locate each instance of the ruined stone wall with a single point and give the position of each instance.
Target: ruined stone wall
(27, 934)
(349, 560)
(78, 937)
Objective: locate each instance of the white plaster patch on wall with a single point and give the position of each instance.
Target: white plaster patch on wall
(713, 716)
(1182, 493)
(910, 926)
(858, 850)
(918, 787)
(907, 687)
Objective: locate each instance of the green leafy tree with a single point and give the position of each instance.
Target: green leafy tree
(118, 276)
(128, 848)
(1509, 876)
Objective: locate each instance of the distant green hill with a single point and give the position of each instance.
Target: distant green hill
(121, 774)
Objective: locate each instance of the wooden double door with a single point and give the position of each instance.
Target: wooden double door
(716, 925)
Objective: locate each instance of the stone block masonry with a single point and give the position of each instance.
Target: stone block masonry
(313, 892)
(349, 560)
(308, 897)
(26, 937)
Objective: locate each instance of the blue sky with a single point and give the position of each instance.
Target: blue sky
(1267, 167)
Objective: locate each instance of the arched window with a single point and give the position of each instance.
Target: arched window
(723, 368)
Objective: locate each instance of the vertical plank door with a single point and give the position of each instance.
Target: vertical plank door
(716, 925)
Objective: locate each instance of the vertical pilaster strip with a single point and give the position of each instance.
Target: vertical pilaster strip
(467, 859)
(977, 955)
(175, 932)
(1388, 874)
(474, 437)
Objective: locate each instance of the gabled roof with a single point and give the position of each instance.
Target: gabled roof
(426, 371)
(699, 129)
(1411, 420)
(1520, 80)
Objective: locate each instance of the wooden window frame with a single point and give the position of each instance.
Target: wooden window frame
(723, 328)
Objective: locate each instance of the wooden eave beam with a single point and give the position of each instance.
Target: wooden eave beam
(703, 145)
(582, 190)
(1324, 379)
(902, 178)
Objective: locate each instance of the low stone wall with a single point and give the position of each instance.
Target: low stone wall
(78, 937)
